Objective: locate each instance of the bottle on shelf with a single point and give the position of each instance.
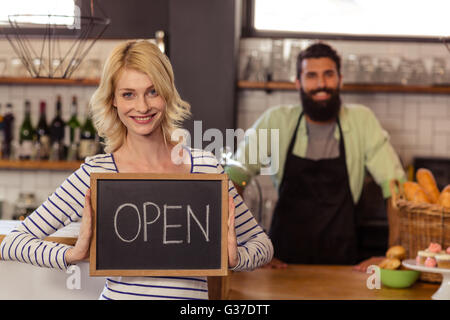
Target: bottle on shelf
(8, 127)
(159, 38)
(73, 132)
(88, 143)
(42, 134)
(25, 205)
(57, 134)
(26, 135)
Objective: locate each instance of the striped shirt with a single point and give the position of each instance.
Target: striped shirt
(65, 205)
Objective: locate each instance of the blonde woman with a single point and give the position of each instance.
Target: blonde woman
(135, 109)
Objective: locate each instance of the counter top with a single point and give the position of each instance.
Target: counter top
(296, 282)
(70, 231)
(318, 282)
(67, 235)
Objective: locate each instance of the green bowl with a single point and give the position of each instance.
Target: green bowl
(399, 278)
(237, 173)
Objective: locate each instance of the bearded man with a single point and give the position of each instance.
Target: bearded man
(324, 148)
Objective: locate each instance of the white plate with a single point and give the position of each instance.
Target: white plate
(443, 293)
(412, 264)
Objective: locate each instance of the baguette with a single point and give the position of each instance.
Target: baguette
(426, 180)
(444, 198)
(415, 193)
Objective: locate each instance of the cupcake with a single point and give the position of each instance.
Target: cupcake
(434, 247)
(430, 262)
(443, 261)
(423, 255)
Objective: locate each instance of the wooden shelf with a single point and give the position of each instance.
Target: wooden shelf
(39, 165)
(49, 81)
(351, 87)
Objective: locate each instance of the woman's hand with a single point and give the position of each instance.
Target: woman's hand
(232, 241)
(81, 249)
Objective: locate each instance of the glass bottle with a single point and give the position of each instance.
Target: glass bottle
(159, 38)
(26, 134)
(88, 145)
(57, 133)
(8, 126)
(43, 134)
(25, 205)
(73, 122)
(73, 131)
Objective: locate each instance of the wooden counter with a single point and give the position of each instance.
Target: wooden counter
(40, 165)
(314, 282)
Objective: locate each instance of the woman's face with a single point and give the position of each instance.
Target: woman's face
(139, 106)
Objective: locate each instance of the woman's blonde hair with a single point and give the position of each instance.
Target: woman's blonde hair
(146, 57)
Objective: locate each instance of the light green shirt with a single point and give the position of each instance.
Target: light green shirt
(366, 145)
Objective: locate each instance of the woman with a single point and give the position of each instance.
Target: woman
(135, 109)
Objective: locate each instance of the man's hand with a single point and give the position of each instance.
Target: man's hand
(275, 264)
(362, 266)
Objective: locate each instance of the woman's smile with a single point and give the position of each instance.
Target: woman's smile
(143, 119)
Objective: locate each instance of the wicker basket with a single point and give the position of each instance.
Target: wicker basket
(420, 224)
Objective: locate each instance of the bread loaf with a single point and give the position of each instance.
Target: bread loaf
(444, 198)
(390, 263)
(426, 180)
(415, 193)
(396, 252)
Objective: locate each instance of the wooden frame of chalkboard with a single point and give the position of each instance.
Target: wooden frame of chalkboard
(150, 251)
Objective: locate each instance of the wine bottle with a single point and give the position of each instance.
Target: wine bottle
(73, 122)
(57, 134)
(88, 145)
(159, 38)
(73, 131)
(26, 134)
(8, 125)
(43, 134)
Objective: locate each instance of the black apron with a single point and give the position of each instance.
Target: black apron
(314, 219)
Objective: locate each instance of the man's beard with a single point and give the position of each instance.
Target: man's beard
(324, 110)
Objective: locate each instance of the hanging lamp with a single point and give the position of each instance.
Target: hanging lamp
(57, 50)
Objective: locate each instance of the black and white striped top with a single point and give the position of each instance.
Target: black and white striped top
(66, 204)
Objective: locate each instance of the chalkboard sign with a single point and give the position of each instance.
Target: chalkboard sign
(159, 224)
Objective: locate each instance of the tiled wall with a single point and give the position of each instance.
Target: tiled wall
(419, 124)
